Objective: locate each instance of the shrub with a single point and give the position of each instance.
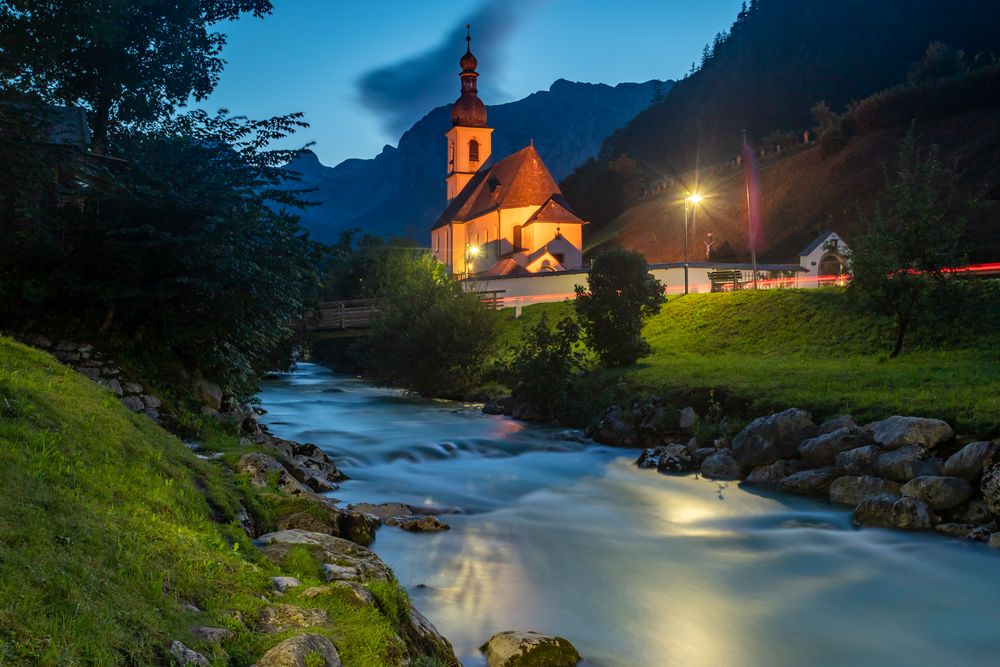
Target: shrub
(621, 293)
(541, 371)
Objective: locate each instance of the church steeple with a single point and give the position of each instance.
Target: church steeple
(469, 141)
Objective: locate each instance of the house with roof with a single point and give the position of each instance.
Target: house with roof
(503, 218)
(825, 256)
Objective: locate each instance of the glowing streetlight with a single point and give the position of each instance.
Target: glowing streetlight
(690, 210)
(471, 252)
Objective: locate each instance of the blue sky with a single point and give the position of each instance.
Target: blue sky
(362, 71)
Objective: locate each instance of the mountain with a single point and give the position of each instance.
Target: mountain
(779, 58)
(402, 190)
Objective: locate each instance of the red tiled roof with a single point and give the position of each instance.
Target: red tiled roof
(505, 267)
(554, 210)
(521, 179)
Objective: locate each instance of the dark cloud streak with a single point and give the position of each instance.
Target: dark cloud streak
(402, 92)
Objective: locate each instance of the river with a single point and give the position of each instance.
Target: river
(637, 569)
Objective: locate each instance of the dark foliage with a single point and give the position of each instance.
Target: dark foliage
(620, 294)
(542, 370)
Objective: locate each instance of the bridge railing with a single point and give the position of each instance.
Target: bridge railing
(338, 315)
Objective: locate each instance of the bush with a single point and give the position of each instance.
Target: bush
(621, 294)
(429, 335)
(541, 372)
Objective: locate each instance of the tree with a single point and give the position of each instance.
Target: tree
(541, 372)
(621, 293)
(902, 259)
(940, 61)
(429, 335)
(124, 61)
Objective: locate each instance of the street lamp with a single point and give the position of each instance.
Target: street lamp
(690, 210)
(471, 252)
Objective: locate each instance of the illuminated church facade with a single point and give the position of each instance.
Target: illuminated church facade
(503, 218)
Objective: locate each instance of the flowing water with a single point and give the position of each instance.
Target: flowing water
(635, 568)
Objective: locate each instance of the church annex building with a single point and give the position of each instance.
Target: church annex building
(505, 218)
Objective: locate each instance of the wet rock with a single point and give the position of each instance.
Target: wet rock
(905, 463)
(810, 482)
(721, 465)
(687, 418)
(284, 617)
(423, 639)
(382, 510)
(329, 549)
(994, 541)
(418, 524)
(885, 511)
(859, 461)
(358, 527)
(896, 432)
(959, 530)
(265, 470)
(182, 655)
(940, 493)
(302, 651)
(974, 512)
(614, 429)
(649, 458)
(500, 406)
(990, 486)
(282, 584)
(211, 635)
(773, 474)
(970, 461)
(528, 649)
(852, 490)
(824, 449)
(979, 534)
(676, 458)
(769, 439)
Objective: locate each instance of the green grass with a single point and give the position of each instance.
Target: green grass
(108, 524)
(761, 351)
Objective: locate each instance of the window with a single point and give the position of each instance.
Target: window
(559, 257)
(474, 151)
(517, 238)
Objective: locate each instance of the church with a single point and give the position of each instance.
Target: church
(503, 218)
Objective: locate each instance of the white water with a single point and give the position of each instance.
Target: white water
(635, 568)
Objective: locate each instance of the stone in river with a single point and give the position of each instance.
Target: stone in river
(721, 465)
(905, 463)
(529, 649)
(823, 449)
(777, 436)
(894, 512)
(772, 474)
(940, 493)
(860, 461)
(852, 490)
(810, 482)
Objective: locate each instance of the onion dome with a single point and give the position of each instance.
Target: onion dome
(469, 110)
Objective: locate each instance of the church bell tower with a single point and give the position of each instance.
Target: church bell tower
(469, 140)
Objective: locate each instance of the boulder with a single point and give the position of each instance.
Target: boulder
(979, 534)
(209, 393)
(649, 457)
(687, 418)
(990, 486)
(896, 432)
(500, 406)
(810, 482)
(418, 524)
(824, 449)
(383, 511)
(360, 593)
(772, 474)
(302, 651)
(112, 385)
(423, 639)
(325, 522)
(852, 490)
(970, 461)
(282, 584)
(358, 527)
(355, 561)
(940, 493)
(894, 512)
(152, 402)
(676, 458)
(284, 617)
(182, 655)
(133, 403)
(529, 649)
(777, 436)
(994, 541)
(959, 530)
(265, 470)
(845, 421)
(614, 429)
(974, 512)
(859, 461)
(907, 462)
(721, 465)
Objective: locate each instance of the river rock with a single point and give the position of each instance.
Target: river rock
(358, 560)
(358, 527)
(844, 421)
(302, 651)
(969, 462)
(529, 649)
(852, 490)
(283, 617)
(994, 540)
(959, 530)
(423, 639)
(940, 493)
(777, 436)
(772, 474)
(896, 432)
(418, 524)
(823, 449)
(859, 461)
(721, 465)
(265, 470)
(676, 458)
(649, 458)
(887, 511)
(973, 511)
(810, 482)
(614, 429)
(687, 418)
(182, 655)
(990, 486)
(907, 462)
(501, 406)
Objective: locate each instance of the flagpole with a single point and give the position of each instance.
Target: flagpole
(747, 157)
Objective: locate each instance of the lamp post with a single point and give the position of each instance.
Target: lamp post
(471, 252)
(690, 211)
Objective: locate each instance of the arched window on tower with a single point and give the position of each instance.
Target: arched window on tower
(474, 152)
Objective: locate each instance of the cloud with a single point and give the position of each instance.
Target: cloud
(403, 92)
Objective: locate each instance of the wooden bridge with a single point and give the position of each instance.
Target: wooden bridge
(353, 317)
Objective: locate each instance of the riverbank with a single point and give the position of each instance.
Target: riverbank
(125, 545)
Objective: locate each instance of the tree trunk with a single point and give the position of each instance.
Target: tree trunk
(99, 121)
(902, 324)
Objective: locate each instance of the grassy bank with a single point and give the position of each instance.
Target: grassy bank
(758, 351)
(109, 525)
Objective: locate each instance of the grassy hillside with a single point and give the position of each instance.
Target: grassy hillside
(758, 351)
(804, 193)
(108, 525)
